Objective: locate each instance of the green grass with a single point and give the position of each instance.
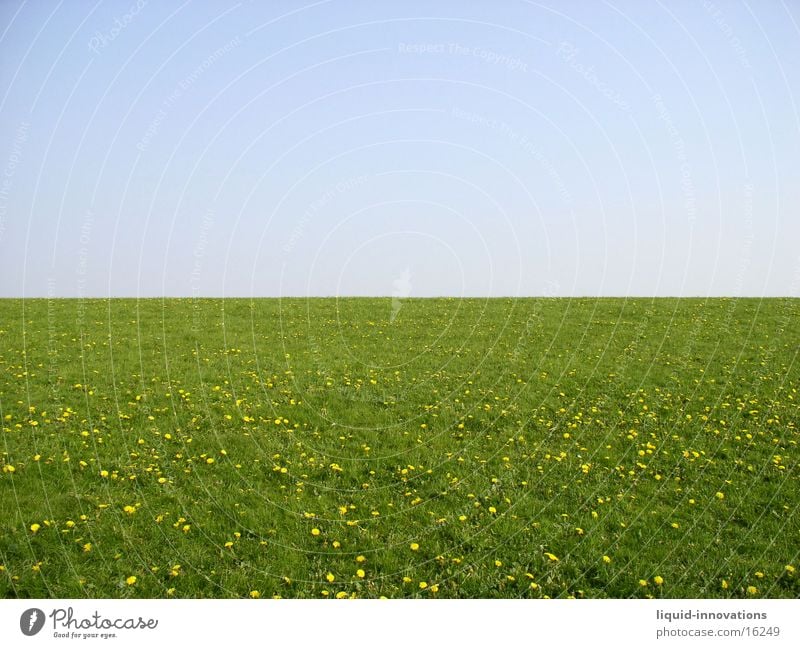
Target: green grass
(491, 433)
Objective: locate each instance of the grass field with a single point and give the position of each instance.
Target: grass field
(423, 448)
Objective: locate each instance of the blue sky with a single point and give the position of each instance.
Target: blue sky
(450, 148)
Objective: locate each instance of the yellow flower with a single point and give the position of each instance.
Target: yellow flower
(130, 510)
(104, 473)
(720, 495)
(752, 590)
(658, 580)
(228, 544)
(434, 588)
(423, 585)
(759, 574)
(462, 518)
(606, 559)
(255, 594)
(9, 468)
(315, 531)
(87, 547)
(414, 546)
(210, 460)
(131, 580)
(360, 573)
(330, 577)
(724, 584)
(70, 524)
(341, 595)
(171, 591)
(642, 582)
(35, 527)
(492, 509)
(789, 569)
(498, 563)
(360, 559)
(552, 557)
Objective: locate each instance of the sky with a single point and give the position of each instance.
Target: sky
(411, 149)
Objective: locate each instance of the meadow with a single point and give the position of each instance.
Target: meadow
(419, 448)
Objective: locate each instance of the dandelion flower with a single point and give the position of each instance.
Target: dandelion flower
(414, 546)
(360, 559)
(360, 573)
(255, 594)
(315, 531)
(642, 582)
(330, 577)
(606, 559)
(720, 495)
(552, 557)
(131, 580)
(751, 590)
(789, 569)
(658, 580)
(423, 585)
(35, 527)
